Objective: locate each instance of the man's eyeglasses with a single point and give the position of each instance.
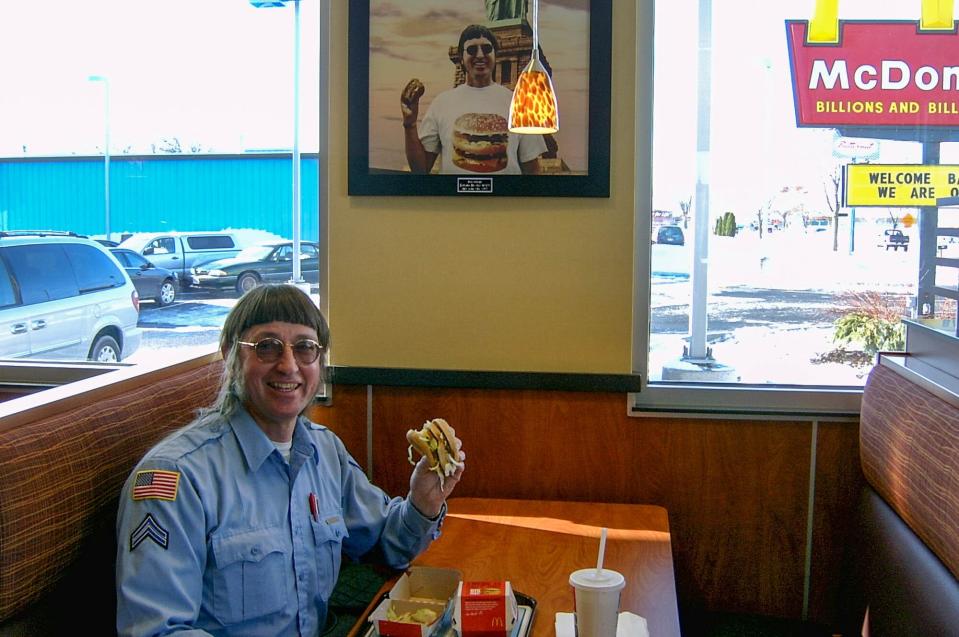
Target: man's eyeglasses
(473, 48)
(270, 350)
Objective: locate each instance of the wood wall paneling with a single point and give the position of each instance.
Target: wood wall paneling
(839, 481)
(737, 492)
(347, 419)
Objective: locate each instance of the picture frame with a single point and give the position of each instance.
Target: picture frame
(389, 41)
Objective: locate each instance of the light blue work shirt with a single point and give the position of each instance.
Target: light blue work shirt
(217, 534)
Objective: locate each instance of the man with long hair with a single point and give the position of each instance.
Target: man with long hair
(235, 524)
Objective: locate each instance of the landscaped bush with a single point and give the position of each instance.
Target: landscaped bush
(874, 334)
(872, 320)
(726, 225)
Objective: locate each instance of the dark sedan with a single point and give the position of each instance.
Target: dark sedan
(671, 235)
(151, 282)
(270, 262)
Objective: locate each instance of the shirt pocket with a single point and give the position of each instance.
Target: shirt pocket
(252, 576)
(328, 535)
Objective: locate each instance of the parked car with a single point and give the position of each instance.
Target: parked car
(672, 235)
(895, 239)
(269, 261)
(64, 297)
(151, 281)
(180, 251)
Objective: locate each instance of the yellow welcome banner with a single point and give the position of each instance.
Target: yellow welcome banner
(937, 15)
(899, 185)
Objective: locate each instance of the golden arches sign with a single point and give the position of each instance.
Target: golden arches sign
(824, 26)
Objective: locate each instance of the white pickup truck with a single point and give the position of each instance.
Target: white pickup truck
(180, 251)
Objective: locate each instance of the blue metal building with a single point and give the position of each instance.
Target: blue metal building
(158, 193)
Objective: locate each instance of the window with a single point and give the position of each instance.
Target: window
(132, 260)
(164, 245)
(210, 242)
(94, 270)
(176, 127)
(8, 295)
(779, 284)
(43, 271)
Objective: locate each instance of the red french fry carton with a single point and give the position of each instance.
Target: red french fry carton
(421, 587)
(484, 609)
(380, 618)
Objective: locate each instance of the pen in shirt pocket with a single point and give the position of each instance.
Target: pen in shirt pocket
(314, 508)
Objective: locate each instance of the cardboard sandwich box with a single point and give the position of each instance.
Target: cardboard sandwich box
(422, 592)
(484, 609)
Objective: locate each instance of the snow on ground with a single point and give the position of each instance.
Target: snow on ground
(787, 260)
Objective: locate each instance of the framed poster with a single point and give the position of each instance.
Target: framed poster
(392, 43)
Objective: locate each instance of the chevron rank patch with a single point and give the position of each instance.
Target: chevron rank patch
(156, 484)
(149, 529)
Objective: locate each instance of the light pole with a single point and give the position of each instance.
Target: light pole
(297, 272)
(106, 149)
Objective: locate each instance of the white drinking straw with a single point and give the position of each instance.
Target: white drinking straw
(602, 551)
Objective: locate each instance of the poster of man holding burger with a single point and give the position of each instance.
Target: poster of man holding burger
(466, 126)
(454, 87)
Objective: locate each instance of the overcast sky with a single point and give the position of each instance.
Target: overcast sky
(212, 72)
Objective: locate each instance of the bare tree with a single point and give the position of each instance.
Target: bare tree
(893, 219)
(684, 207)
(168, 145)
(792, 197)
(761, 213)
(831, 188)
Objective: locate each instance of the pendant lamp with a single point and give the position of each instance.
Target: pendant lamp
(533, 109)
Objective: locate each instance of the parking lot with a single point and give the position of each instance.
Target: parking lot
(191, 324)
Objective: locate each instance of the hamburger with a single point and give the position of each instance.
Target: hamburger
(437, 442)
(479, 142)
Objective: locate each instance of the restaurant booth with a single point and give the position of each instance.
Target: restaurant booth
(515, 319)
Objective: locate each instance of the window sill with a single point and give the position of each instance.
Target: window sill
(765, 402)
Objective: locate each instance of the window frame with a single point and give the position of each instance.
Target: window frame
(698, 400)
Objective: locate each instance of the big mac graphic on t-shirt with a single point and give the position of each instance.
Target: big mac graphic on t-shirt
(479, 142)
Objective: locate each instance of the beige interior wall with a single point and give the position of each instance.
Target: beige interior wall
(513, 284)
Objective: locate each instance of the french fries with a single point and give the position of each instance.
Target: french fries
(419, 616)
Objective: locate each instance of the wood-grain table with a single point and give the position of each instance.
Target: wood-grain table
(536, 544)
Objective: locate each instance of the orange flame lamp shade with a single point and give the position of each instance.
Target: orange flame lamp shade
(533, 109)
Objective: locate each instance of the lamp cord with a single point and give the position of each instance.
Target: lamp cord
(536, 28)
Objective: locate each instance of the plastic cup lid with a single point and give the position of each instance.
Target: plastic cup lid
(605, 579)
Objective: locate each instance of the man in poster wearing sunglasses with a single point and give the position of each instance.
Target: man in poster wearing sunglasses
(467, 125)
(235, 525)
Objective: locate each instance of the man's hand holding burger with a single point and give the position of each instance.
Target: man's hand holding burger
(410, 102)
(439, 469)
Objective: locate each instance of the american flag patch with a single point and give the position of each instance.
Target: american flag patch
(155, 485)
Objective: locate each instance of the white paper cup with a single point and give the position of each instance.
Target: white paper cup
(596, 599)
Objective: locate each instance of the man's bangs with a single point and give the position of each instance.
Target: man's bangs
(285, 304)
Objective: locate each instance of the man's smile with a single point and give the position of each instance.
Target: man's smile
(284, 387)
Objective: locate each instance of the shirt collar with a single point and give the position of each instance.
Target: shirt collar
(256, 447)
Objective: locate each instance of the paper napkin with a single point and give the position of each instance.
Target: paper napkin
(629, 625)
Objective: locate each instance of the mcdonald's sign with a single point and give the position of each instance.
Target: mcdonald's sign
(875, 73)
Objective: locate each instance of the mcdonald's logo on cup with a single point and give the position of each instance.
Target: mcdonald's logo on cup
(484, 609)
(893, 73)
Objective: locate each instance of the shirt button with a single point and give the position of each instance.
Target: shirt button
(302, 577)
(255, 550)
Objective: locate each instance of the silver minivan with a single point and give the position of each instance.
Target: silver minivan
(64, 297)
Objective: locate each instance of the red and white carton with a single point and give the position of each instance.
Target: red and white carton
(484, 609)
(419, 587)
(389, 628)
